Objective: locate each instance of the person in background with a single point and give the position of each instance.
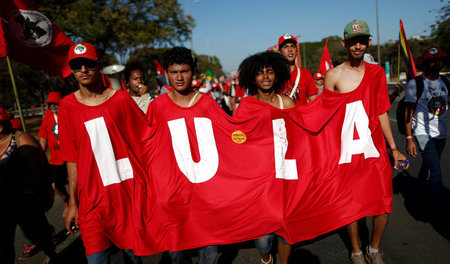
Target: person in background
(135, 83)
(49, 139)
(25, 191)
(426, 103)
(318, 81)
(300, 87)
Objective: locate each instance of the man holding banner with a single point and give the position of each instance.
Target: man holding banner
(103, 148)
(357, 76)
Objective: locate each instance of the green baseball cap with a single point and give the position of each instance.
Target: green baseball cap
(356, 28)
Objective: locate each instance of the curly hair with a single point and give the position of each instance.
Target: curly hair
(251, 65)
(178, 55)
(132, 66)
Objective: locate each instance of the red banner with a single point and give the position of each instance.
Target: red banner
(299, 173)
(325, 61)
(31, 38)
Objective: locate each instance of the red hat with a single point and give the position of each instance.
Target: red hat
(5, 115)
(196, 83)
(53, 97)
(318, 76)
(214, 85)
(83, 50)
(285, 39)
(433, 53)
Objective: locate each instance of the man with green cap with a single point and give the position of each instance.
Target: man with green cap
(366, 83)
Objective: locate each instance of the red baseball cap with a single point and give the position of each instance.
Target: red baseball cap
(196, 83)
(318, 76)
(53, 97)
(434, 53)
(5, 115)
(285, 39)
(83, 50)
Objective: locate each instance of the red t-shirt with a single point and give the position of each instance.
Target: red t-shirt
(239, 91)
(49, 130)
(305, 87)
(226, 87)
(107, 143)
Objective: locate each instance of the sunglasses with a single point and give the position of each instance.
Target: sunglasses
(76, 65)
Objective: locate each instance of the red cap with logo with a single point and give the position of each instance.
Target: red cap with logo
(83, 50)
(434, 53)
(53, 98)
(196, 83)
(285, 39)
(318, 76)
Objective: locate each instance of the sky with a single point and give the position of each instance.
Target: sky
(234, 29)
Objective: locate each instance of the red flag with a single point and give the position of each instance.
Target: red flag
(325, 61)
(31, 38)
(3, 52)
(406, 52)
(159, 69)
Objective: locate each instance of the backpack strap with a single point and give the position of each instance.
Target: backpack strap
(419, 86)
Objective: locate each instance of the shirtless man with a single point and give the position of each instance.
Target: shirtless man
(356, 74)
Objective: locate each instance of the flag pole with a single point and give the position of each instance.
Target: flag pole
(15, 93)
(398, 62)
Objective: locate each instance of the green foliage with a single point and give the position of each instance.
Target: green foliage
(205, 62)
(441, 31)
(115, 27)
(120, 26)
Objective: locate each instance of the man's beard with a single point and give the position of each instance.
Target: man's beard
(359, 57)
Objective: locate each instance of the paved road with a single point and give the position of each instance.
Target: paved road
(410, 238)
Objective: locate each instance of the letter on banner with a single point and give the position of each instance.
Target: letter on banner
(284, 168)
(356, 116)
(207, 167)
(111, 171)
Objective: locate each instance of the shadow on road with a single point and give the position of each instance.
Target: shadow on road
(418, 203)
(73, 254)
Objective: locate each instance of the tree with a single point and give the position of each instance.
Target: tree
(205, 62)
(441, 31)
(120, 26)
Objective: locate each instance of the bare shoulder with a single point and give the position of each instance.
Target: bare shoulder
(334, 76)
(26, 139)
(287, 102)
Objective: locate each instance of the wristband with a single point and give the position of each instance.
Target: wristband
(408, 137)
(393, 147)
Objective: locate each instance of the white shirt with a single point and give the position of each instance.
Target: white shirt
(430, 116)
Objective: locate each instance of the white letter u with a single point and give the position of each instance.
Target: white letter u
(207, 167)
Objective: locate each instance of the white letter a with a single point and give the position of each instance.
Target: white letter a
(356, 116)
